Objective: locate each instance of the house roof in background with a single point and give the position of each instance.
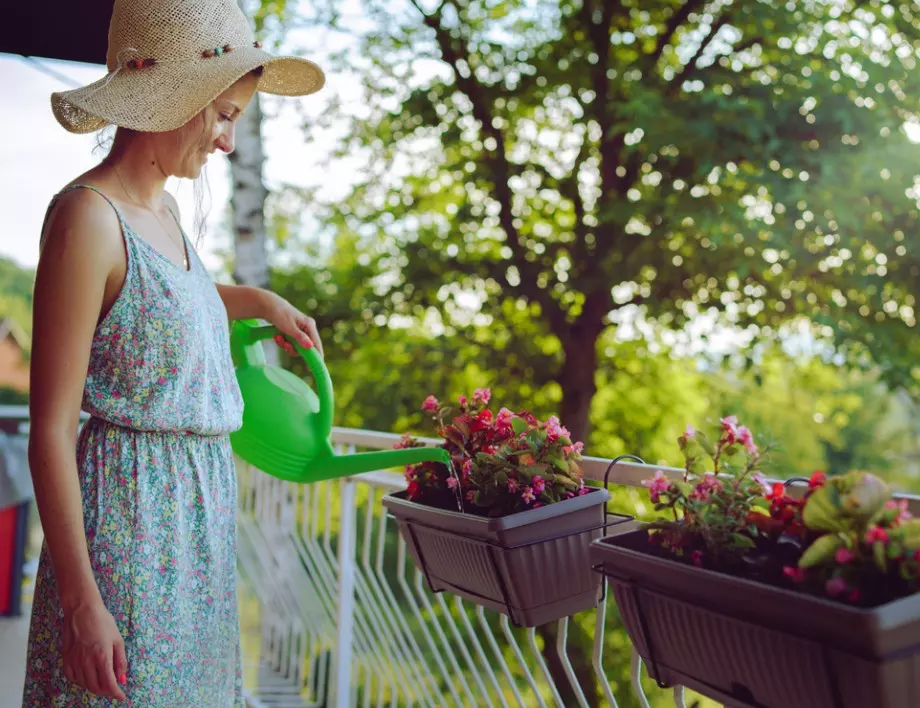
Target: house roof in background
(74, 30)
(10, 328)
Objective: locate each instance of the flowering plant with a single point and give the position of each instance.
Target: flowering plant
(845, 537)
(713, 507)
(501, 463)
(868, 548)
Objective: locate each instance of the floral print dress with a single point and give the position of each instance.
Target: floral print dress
(159, 494)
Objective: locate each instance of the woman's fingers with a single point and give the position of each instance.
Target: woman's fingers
(308, 325)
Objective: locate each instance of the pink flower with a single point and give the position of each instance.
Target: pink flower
(690, 432)
(796, 575)
(730, 426)
(410, 473)
(431, 404)
(503, 419)
(538, 483)
(527, 495)
(404, 441)
(462, 400)
(512, 485)
(482, 395)
(583, 490)
(844, 555)
(452, 482)
(706, 487)
(835, 586)
(555, 430)
(537, 505)
(470, 495)
(877, 534)
(577, 448)
(747, 439)
(762, 481)
(901, 506)
(656, 485)
(697, 558)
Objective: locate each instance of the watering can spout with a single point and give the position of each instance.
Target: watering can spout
(337, 466)
(287, 426)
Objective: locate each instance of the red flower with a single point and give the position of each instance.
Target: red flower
(797, 575)
(414, 490)
(817, 479)
(697, 558)
(482, 420)
(778, 491)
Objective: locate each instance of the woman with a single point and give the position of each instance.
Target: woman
(135, 598)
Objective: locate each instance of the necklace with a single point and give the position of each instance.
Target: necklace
(181, 246)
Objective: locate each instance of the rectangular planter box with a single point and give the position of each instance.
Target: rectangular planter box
(533, 566)
(751, 645)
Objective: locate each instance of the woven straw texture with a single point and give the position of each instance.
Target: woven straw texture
(176, 34)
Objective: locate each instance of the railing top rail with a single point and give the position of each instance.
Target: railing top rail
(625, 473)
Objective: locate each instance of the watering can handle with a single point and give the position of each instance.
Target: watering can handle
(247, 333)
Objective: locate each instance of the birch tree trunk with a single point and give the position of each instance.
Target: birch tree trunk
(247, 203)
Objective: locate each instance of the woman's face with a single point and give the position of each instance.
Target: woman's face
(212, 129)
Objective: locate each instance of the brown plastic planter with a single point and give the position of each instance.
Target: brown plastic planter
(751, 645)
(533, 566)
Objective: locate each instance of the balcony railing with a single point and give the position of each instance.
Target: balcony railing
(334, 612)
(345, 618)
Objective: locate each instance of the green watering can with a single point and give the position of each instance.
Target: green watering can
(286, 426)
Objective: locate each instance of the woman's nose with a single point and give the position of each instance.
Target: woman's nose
(225, 142)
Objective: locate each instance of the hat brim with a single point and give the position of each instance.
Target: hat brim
(167, 95)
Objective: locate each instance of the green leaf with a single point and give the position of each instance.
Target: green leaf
(705, 443)
(518, 425)
(821, 551)
(742, 541)
(878, 553)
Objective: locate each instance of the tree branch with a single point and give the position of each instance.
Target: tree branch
(673, 24)
(499, 165)
(691, 65)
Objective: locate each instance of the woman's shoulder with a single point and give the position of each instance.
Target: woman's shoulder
(80, 215)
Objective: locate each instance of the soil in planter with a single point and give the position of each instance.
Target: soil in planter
(765, 564)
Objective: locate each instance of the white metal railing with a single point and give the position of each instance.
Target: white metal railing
(349, 621)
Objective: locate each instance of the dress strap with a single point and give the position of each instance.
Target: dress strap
(54, 199)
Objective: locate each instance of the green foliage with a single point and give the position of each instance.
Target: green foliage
(554, 170)
(16, 293)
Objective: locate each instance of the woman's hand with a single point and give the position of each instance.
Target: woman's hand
(292, 323)
(94, 651)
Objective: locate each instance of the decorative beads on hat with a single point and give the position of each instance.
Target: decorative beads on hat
(226, 49)
(206, 54)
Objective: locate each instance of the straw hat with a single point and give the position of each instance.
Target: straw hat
(168, 59)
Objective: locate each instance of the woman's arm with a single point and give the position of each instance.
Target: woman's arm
(81, 250)
(247, 302)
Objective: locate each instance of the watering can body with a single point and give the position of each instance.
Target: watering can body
(287, 426)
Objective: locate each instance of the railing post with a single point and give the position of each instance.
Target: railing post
(345, 619)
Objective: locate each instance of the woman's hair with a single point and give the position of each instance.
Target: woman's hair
(105, 139)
